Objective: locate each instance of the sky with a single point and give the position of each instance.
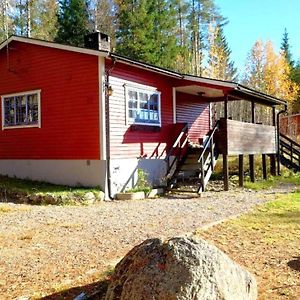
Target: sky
(250, 20)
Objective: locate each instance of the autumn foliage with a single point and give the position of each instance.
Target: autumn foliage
(270, 72)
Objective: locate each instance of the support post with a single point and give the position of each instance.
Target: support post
(241, 170)
(273, 164)
(226, 107)
(264, 166)
(252, 111)
(225, 172)
(251, 166)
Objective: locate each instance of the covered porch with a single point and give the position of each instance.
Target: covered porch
(234, 120)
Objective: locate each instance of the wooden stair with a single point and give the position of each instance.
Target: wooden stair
(197, 165)
(289, 153)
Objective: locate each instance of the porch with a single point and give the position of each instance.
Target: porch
(229, 132)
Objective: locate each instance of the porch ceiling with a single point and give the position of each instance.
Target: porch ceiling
(203, 91)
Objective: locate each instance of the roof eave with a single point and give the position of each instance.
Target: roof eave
(54, 45)
(145, 66)
(260, 96)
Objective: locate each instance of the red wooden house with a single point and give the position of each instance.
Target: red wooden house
(82, 116)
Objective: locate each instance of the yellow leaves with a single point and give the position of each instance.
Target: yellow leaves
(270, 72)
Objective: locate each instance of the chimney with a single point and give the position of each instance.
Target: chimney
(97, 41)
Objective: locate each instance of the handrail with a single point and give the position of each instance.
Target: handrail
(176, 142)
(289, 150)
(290, 140)
(207, 142)
(177, 145)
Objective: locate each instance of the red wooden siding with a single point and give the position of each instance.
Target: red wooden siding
(125, 142)
(290, 125)
(69, 103)
(191, 110)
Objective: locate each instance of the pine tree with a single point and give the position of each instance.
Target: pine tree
(285, 47)
(219, 64)
(73, 22)
(147, 32)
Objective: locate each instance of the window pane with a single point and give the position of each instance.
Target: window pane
(9, 111)
(20, 110)
(32, 108)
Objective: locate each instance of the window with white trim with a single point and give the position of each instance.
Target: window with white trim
(21, 110)
(143, 106)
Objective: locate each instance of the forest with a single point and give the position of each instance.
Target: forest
(181, 35)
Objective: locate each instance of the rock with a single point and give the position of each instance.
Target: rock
(89, 197)
(180, 268)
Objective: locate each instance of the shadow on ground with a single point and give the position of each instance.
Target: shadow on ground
(93, 291)
(294, 263)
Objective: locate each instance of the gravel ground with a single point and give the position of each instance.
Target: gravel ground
(45, 249)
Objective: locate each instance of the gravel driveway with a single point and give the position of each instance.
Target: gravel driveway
(45, 249)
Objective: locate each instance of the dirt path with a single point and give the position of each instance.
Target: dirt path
(45, 249)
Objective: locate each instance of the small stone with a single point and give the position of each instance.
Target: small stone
(89, 197)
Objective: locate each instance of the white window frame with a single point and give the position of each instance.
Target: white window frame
(38, 124)
(145, 90)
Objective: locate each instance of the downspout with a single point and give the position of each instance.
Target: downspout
(107, 127)
(278, 137)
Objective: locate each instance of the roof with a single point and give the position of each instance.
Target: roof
(52, 45)
(233, 90)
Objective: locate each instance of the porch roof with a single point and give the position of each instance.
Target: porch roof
(214, 90)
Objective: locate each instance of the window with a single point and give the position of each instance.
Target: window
(143, 106)
(21, 110)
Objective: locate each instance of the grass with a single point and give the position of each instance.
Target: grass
(9, 187)
(273, 181)
(266, 242)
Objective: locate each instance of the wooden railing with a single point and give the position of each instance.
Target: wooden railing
(207, 158)
(177, 150)
(289, 152)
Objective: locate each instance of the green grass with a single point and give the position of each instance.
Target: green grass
(279, 219)
(67, 194)
(286, 178)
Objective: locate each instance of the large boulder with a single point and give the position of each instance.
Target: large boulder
(179, 268)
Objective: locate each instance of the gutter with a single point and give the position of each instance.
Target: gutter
(278, 137)
(107, 127)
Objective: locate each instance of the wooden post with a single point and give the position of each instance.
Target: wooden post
(264, 166)
(272, 156)
(241, 170)
(225, 172)
(251, 166)
(252, 111)
(273, 164)
(226, 107)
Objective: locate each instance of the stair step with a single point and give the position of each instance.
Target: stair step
(187, 174)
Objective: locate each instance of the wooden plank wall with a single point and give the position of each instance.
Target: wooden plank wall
(246, 138)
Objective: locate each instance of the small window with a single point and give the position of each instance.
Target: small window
(143, 106)
(21, 110)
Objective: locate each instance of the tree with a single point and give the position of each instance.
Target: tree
(203, 13)
(270, 72)
(146, 32)
(73, 22)
(219, 64)
(6, 28)
(45, 24)
(105, 18)
(285, 47)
